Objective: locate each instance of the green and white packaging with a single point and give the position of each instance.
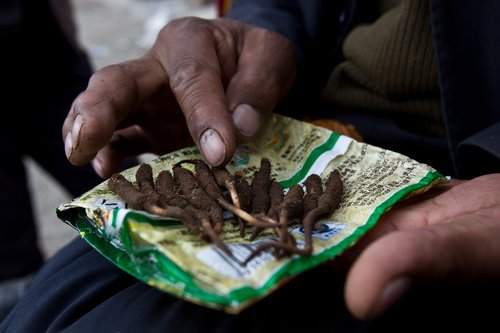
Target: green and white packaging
(162, 253)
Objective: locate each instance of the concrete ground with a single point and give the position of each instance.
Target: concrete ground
(111, 31)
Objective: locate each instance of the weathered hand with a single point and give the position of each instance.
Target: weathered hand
(211, 81)
(452, 237)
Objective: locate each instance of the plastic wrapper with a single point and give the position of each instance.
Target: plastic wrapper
(162, 253)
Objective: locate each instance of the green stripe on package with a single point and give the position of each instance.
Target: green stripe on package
(162, 253)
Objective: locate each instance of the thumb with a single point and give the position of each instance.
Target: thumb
(463, 250)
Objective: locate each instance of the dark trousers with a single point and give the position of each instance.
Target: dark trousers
(36, 105)
(40, 77)
(79, 290)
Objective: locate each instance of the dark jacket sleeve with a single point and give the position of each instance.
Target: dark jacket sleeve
(467, 41)
(314, 28)
(479, 154)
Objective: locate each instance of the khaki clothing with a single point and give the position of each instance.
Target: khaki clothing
(390, 67)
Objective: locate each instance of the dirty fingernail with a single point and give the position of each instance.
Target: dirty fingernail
(391, 293)
(246, 119)
(212, 147)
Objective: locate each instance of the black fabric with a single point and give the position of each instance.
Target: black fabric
(80, 291)
(466, 37)
(10, 14)
(38, 86)
(479, 153)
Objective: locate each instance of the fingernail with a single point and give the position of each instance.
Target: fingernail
(212, 147)
(391, 293)
(246, 119)
(77, 126)
(68, 145)
(97, 165)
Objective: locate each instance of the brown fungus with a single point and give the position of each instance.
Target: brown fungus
(260, 188)
(207, 181)
(165, 186)
(327, 203)
(276, 196)
(197, 200)
(290, 208)
(245, 196)
(191, 189)
(225, 180)
(147, 202)
(314, 189)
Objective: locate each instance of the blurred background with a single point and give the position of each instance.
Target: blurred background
(111, 31)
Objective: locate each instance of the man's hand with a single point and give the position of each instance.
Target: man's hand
(453, 237)
(213, 82)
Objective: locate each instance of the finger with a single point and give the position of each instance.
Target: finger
(449, 201)
(122, 145)
(195, 76)
(463, 250)
(113, 93)
(432, 207)
(266, 71)
(405, 215)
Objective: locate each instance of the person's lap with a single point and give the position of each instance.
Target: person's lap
(79, 290)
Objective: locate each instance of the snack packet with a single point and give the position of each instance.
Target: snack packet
(162, 253)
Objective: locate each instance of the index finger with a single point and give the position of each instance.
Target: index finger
(112, 94)
(193, 67)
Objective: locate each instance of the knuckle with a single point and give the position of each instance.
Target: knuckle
(187, 83)
(183, 24)
(185, 74)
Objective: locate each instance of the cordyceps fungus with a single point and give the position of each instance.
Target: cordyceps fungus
(245, 196)
(161, 199)
(134, 198)
(261, 201)
(290, 208)
(165, 186)
(209, 184)
(327, 202)
(314, 189)
(191, 189)
(146, 200)
(260, 188)
(227, 181)
(199, 204)
(197, 200)
(276, 197)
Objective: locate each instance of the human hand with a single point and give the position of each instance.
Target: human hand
(452, 237)
(211, 81)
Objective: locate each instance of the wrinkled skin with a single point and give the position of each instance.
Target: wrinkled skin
(449, 235)
(222, 78)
